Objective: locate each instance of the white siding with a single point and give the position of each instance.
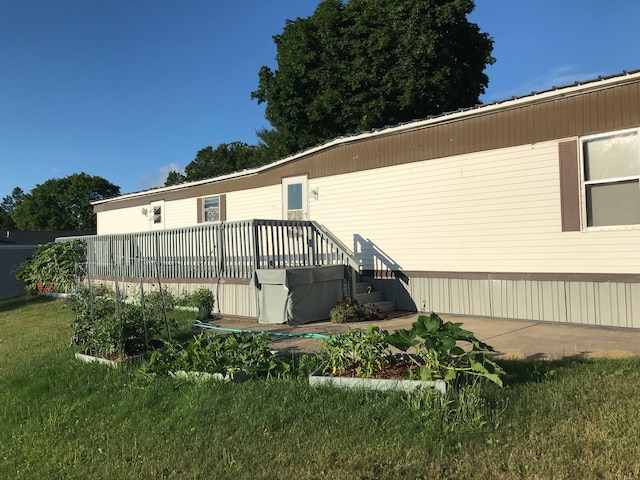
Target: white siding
(181, 213)
(496, 211)
(124, 220)
(242, 205)
(263, 203)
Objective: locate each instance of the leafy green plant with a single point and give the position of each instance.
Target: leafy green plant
(366, 351)
(437, 354)
(349, 310)
(52, 267)
(432, 348)
(201, 298)
(104, 327)
(224, 354)
(158, 299)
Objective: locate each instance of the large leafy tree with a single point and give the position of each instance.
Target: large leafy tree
(225, 158)
(63, 203)
(364, 64)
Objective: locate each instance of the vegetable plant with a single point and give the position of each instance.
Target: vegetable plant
(224, 354)
(107, 328)
(435, 348)
(432, 352)
(365, 350)
(201, 299)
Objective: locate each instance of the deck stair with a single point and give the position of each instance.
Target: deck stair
(365, 295)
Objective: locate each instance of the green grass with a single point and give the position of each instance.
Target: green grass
(64, 419)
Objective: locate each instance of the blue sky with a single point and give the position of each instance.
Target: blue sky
(129, 89)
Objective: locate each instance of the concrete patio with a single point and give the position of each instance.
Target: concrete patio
(510, 338)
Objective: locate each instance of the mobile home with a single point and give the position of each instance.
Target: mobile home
(527, 208)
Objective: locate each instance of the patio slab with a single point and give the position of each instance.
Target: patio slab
(510, 338)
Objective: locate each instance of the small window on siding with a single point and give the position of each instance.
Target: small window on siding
(611, 179)
(211, 209)
(157, 214)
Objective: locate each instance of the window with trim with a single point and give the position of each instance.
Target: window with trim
(211, 209)
(611, 179)
(157, 214)
(294, 202)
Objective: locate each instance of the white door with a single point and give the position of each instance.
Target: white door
(295, 201)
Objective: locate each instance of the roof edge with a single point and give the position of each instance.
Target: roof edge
(533, 97)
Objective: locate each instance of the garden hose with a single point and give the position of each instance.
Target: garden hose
(199, 324)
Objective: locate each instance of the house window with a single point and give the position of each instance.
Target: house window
(211, 209)
(294, 202)
(157, 214)
(611, 179)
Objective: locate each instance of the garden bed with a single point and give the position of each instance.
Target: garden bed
(114, 360)
(234, 377)
(395, 382)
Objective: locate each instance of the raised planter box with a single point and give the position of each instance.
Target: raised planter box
(235, 377)
(84, 357)
(316, 379)
(57, 295)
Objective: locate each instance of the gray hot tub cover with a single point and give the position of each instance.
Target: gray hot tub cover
(298, 295)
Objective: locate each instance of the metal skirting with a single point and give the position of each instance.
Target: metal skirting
(233, 299)
(611, 304)
(614, 304)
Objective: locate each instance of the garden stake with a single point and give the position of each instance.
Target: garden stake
(144, 315)
(164, 307)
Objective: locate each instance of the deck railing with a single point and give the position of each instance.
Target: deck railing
(232, 250)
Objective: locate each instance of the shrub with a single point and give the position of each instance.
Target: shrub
(201, 298)
(349, 310)
(52, 267)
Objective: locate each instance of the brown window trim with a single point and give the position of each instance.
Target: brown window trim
(569, 185)
(222, 206)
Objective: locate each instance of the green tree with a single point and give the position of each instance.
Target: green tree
(364, 64)
(63, 203)
(174, 178)
(226, 158)
(5, 220)
(8, 205)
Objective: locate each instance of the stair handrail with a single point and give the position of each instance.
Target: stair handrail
(353, 261)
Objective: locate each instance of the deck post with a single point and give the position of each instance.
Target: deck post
(310, 249)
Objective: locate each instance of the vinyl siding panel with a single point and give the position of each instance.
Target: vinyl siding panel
(181, 213)
(496, 211)
(263, 203)
(125, 220)
(176, 213)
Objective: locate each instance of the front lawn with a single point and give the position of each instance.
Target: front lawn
(61, 418)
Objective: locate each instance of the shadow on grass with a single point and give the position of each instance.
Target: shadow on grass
(533, 370)
(11, 303)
